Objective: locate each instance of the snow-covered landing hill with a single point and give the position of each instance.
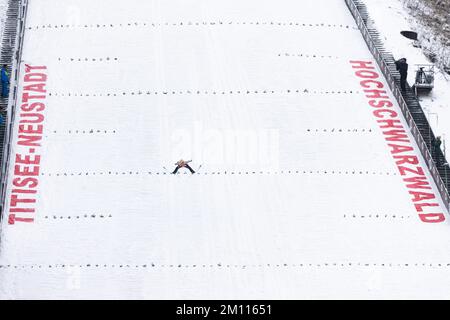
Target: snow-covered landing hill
(302, 189)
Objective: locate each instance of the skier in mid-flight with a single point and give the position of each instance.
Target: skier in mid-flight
(181, 164)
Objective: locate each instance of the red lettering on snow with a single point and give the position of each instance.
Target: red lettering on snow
(421, 196)
(386, 119)
(26, 96)
(35, 106)
(378, 113)
(362, 64)
(390, 123)
(396, 135)
(417, 182)
(28, 159)
(419, 206)
(432, 217)
(403, 170)
(25, 171)
(22, 210)
(12, 218)
(366, 84)
(15, 200)
(25, 182)
(366, 74)
(29, 141)
(29, 68)
(396, 148)
(406, 159)
(380, 103)
(30, 131)
(35, 77)
(37, 87)
(38, 118)
(376, 94)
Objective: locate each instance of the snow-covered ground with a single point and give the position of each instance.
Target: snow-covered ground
(432, 19)
(297, 196)
(390, 18)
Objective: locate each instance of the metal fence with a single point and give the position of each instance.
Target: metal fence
(12, 45)
(375, 45)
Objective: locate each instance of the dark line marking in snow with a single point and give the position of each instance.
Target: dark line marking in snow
(334, 130)
(190, 24)
(242, 172)
(85, 59)
(228, 266)
(377, 216)
(204, 92)
(304, 55)
(86, 131)
(77, 217)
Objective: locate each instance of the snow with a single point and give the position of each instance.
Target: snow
(297, 195)
(390, 18)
